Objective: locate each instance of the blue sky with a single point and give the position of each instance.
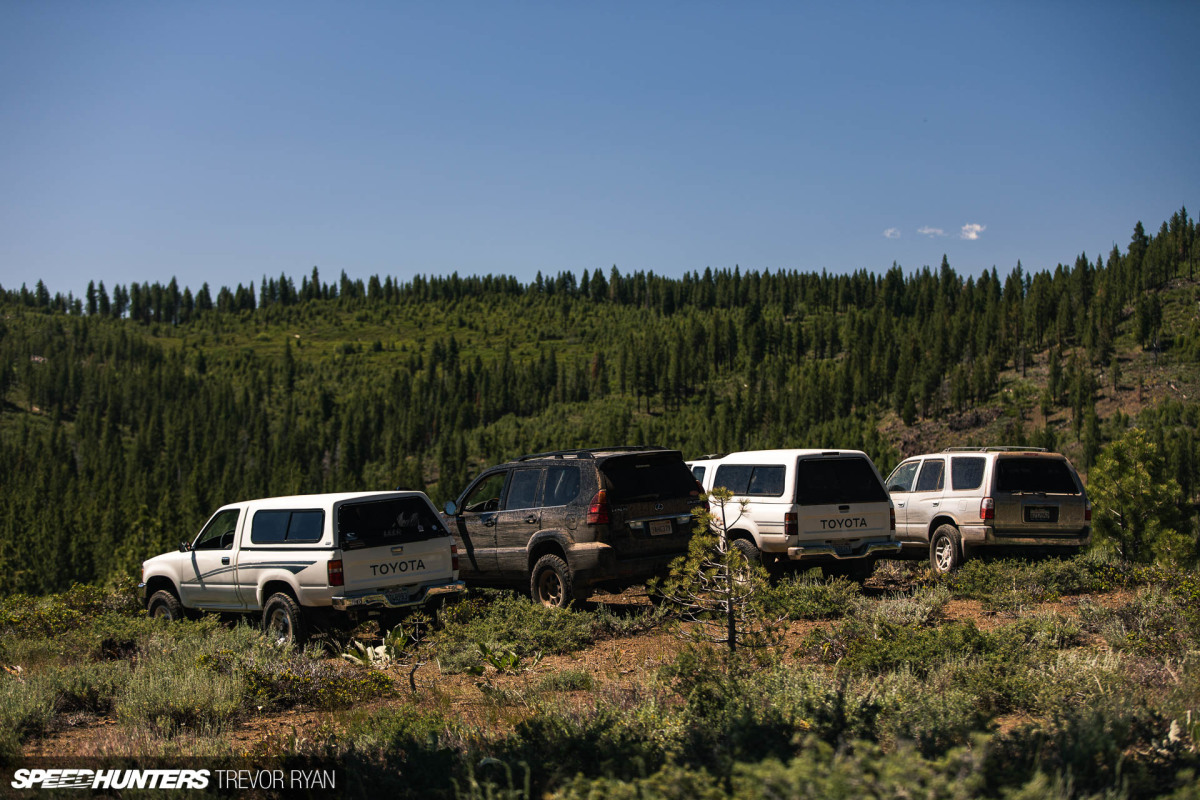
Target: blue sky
(221, 141)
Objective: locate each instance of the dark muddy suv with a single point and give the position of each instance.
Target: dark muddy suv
(562, 523)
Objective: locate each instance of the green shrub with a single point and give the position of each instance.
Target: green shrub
(608, 623)
(601, 741)
(170, 690)
(567, 680)
(317, 683)
(26, 615)
(504, 622)
(91, 687)
(1152, 624)
(1009, 585)
(27, 704)
(850, 772)
(810, 596)
(933, 712)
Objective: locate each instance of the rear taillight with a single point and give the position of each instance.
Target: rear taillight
(1087, 511)
(598, 513)
(336, 577)
(987, 508)
(703, 497)
(892, 513)
(454, 558)
(791, 524)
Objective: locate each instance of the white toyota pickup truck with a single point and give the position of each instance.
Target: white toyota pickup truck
(294, 559)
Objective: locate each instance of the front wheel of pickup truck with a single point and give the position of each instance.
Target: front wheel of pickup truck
(945, 550)
(550, 582)
(164, 605)
(283, 621)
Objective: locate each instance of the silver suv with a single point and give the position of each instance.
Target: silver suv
(965, 499)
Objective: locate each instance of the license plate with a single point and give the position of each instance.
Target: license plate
(1039, 514)
(843, 549)
(397, 596)
(661, 527)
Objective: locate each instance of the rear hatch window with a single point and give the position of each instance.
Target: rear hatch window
(1048, 475)
(378, 523)
(648, 476)
(826, 481)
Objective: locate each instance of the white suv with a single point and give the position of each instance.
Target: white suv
(998, 498)
(296, 558)
(824, 508)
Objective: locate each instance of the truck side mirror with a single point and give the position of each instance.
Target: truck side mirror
(184, 547)
(451, 508)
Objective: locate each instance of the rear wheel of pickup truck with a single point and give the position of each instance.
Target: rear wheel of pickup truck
(550, 582)
(164, 605)
(945, 550)
(283, 621)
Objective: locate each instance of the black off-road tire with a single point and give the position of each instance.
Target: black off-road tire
(164, 604)
(550, 582)
(283, 621)
(945, 550)
(754, 556)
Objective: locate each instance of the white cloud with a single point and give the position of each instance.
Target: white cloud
(972, 230)
(892, 233)
(931, 232)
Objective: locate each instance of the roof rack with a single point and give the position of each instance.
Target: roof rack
(1003, 449)
(588, 452)
(708, 457)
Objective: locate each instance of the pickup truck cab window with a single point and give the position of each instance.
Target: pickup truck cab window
(276, 526)
(218, 533)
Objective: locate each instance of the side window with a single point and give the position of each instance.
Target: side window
(562, 486)
(930, 479)
(902, 477)
(734, 477)
(275, 527)
(966, 472)
(749, 479)
(766, 481)
(486, 494)
(218, 533)
(523, 489)
(699, 473)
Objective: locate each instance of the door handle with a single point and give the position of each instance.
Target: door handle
(489, 522)
(936, 503)
(900, 505)
(531, 519)
(225, 560)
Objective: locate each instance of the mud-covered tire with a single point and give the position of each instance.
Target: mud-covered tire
(747, 548)
(283, 621)
(945, 550)
(550, 582)
(165, 605)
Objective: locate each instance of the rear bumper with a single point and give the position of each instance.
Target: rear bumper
(381, 600)
(822, 551)
(986, 536)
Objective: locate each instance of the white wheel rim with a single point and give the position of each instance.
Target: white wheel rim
(944, 552)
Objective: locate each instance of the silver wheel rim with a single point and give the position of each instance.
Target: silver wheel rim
(944, 554)
(550, 590)
(279, 626)
(162, 611)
